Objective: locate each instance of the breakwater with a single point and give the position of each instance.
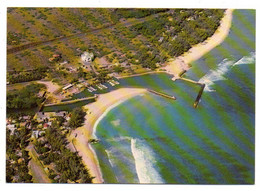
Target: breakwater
(162, 94)
(195, 105)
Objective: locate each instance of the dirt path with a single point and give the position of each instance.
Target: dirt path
(36, 168)
(51, 87)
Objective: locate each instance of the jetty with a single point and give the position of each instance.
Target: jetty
(196, 102)
(195, 105)
(162, 94)
(191, 81)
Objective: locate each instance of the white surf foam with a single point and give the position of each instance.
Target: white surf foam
(246, 59)
(223, 67)
(109, 154)
(109, 158)
(144, 162)
(215, 75)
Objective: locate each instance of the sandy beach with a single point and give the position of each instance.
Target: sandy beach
(81, 136)
(84, 133)
(179, 64)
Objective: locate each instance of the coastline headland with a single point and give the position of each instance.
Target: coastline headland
(176, 67)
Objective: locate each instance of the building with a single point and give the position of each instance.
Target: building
(67, 87)
(87, 57)
(11, 127)
(55, 57)
(37, 133)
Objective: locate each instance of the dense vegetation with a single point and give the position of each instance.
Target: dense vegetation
(17, 157)
(175, 33)
(146, 42)
(68, 166)
(136, 13)
(26, 76)
(25, 98)
(77, 118)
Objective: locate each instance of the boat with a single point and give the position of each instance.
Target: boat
(102, 85)
(115, 82)
(111, 83)
(93, 89)
(99, 87)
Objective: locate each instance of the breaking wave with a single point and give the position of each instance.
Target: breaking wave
(145, 162)
(222, 68)
(246, 59)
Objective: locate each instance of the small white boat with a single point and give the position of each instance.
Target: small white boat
(111, 83)
(99, 87)
(93, 89)
(115, 82)
(102, 85)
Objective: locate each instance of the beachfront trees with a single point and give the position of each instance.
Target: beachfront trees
(77, 118)
(68, 166)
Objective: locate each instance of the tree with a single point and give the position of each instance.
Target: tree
(77, 118)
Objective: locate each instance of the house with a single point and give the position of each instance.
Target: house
(37, 133)
(45, 125)
(40, 116)
(55, 57)
(87, 57)
(11, 127)
(67, 87)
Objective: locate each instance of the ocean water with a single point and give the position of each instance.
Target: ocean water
(151, 139)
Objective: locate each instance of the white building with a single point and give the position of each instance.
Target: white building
(87, 57)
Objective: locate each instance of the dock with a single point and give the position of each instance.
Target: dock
(196, 102)
(162, 94)
(191, 81)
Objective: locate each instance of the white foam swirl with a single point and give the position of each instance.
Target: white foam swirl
(223, 67)
(145, 162)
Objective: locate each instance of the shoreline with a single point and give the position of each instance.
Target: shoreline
(181, 63)
(80, 137)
